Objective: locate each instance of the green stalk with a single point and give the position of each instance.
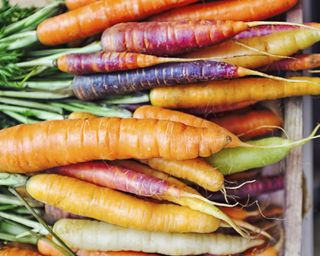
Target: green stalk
(36, 227)
(24, 211)
(33, 20)
(44, 115)
(54, 86)
(24, 240)
(36, 94)
(127, 99)
(6, 199)
(20, 118)
(95, 110)
(49, 61)
(31, 104)
(7, 207)
(10, 179)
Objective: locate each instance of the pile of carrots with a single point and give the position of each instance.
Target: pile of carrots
(184, 174)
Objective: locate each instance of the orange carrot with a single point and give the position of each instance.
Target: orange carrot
(14, 251)
(245, 10)
(117, 208)
(93, 18)
(197, 171)
(231, 92)
(300, 62)
(249, 124)
(238, 213)
(74, 4)
(44, 145)
(152, 112)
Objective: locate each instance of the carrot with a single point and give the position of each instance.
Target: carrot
(209, 110)
(93, 235)
(44, 145)
(101, 62)
(74, 4)
(249, 124)
(197, 171)
(14, 251)
(52, 214)
(245, 10)
(152, 112)
(239, 213)
(263, 185)
(134, 178)
(115, 207)
(98, 86)
(95, 17)
(231, 92)
(169, 38)
(233, 160)
(285, 43)
(80, 115)
(298, 63)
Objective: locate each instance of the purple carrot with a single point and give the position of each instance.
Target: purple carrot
(52, 214)
(168, 38)
(98, 86)
(299, 63)
(263, 30)
(132, 107)
(262, 185)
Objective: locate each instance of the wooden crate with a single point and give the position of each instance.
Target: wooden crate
(293, 164)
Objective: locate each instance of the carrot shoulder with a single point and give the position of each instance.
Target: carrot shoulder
(114, 207)
(35, 147)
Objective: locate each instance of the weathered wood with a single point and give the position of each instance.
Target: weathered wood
(294, 170)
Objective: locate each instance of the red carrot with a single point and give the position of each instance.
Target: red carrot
(168, 38)
(249, 124)
(300, 62)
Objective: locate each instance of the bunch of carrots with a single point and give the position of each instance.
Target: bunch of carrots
(168, 157)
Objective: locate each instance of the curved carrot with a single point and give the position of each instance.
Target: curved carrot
(74, 4)
(152, 112)
(168, 38)
(249, 124)
(93, 18)
(14, 251)
(285, 43)
(114, 207)
(39, 146)
(298, 63)
(209, 110)
(231, 92)
(245, 10)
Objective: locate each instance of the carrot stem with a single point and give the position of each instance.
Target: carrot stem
(8, 179)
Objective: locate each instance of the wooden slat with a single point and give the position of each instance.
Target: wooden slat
(294, 169)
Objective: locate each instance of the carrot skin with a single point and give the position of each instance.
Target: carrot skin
(98, 86)
(115, 207)
(211, 110)
(53, 214)
(299, 63)
(168, 38)
(13, 251)
(121, 253)
(245, 10)
(74, 4)
(213, 94)
(246, 125)
(101, 62)
(93, 18)
(44, 145)
(263, 185)
(263, 30)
